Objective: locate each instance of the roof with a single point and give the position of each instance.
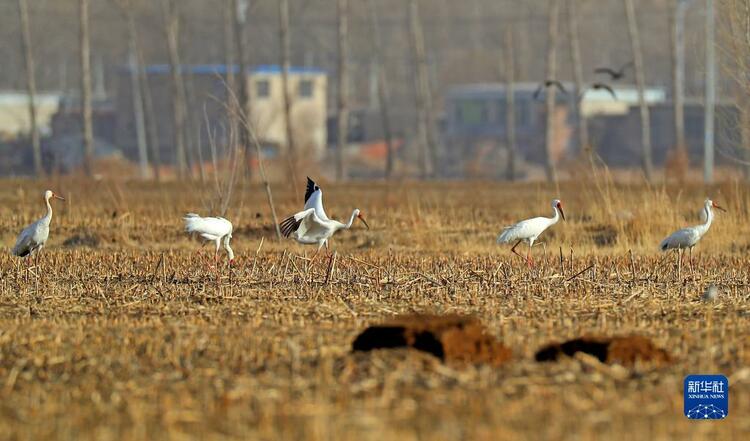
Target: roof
(221, 69)
(625, 93)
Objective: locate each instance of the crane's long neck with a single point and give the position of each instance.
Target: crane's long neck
(230, 252)
(351, 220)
(48, 217)
(709, 218)
(553, 220)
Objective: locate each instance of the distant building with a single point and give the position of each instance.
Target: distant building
(475, 128)
(14, 112)
(207, 98)
(475, 132)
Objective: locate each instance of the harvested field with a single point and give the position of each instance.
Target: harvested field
(134, 336)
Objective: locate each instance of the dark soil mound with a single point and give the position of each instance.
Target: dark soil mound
(621, 350)
(451, 338)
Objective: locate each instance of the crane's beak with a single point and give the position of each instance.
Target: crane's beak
(363, 221)
(56, 196)
(562, 213)
(717, 207)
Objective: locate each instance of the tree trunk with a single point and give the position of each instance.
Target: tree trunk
(172, 22)
(425, 122)
(710, 100)
(679, 160)
(152, 131)
(285, 64)
(577, 65)
(635, 44)
(383, 92)
(342, 117)
(510, 104)
(28, 58)
(239, 11)
(135, 85)
(551, 72)
(86, 111)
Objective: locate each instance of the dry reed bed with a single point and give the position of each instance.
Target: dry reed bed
(139, 338)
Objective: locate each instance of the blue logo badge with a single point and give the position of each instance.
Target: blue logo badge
(706, 397)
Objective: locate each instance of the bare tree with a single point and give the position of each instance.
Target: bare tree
(239, 14)
(577, 65)
(152, 131)
(172, 31)
(383, 92)
(86, 110)
(677, 43)
(510, 103)
(635, 45)
(342, 117)
(28, 58)
(551, 71)
(425, 113)
(285, 64)
(134, 67)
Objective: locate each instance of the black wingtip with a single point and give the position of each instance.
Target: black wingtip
(289, 225)
(310, 188)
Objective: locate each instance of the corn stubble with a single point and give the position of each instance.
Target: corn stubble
(139, 337)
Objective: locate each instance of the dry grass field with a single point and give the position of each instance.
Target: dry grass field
(122, 332)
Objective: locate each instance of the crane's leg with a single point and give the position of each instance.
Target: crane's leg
(679, 263)
(320, 245)
(328, 249)
(690, 257)
(529, 262)
(513, 250)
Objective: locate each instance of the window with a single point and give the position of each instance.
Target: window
(472, 112)
(262, 88)
(305, 88)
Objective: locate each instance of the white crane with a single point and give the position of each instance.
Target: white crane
(689, 237)
(32, 238)
(211, 229)
(312, 226)
(528, 230)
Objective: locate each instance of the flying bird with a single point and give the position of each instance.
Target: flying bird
(598, 86)
(689, 237)
(615, 75)
(32, 238)
(211, 229)
(529, 230)
(549, 83)
(312, 226)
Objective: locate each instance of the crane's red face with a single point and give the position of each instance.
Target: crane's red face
(559, 207)
(360, 217)
(713, 204)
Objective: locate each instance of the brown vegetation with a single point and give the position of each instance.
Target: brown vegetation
(136, 337)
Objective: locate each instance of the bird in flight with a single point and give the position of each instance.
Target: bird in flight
(614, 74)
(548, 83)
(312, 226)
(598, 86)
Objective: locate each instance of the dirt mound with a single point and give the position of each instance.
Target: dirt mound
(82, 238)
(452, 338)
(621, 350)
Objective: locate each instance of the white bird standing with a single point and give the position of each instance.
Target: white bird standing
(689, 237)
(312, 226)
(211, 229)
(528, 230)
(32, 238)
